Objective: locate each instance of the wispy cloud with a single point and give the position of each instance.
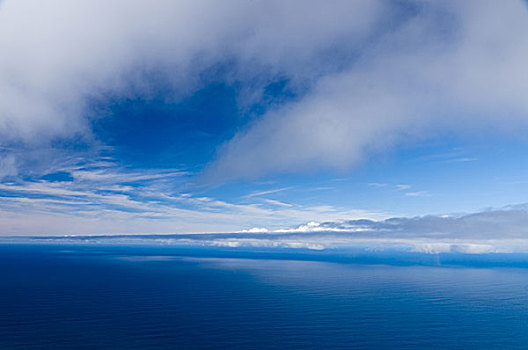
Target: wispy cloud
(277, 203)
(418, 194)
(461, 160)
(107, 198)
(262, 193)
(377, 184)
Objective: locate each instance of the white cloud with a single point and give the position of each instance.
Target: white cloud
(377, 184)
(261, 193)
(368, 76)
(453, 66)
(58, 56)
(461, 160)
(255, 230)
(373, 74)
(277, 203)
(103, 198)
(8, 166)
(493, 231)
(418, 194)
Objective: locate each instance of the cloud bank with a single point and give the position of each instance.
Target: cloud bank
(490, 231)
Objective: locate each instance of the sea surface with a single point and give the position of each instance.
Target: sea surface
(129, 297)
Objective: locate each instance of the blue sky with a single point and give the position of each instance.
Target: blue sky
(187, 117)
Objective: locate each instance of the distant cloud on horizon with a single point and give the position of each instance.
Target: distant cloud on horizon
(502, 230)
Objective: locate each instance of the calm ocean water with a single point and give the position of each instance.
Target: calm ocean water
(88, 297)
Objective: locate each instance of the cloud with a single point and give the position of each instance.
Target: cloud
(367, 74)
(498, 223)
(8, 166)
(262, 193)
(461, 160)
(448, 66)
(276, 202)
(503, 230)
(418, 194)
(102, 197)
(59, 57)
(377, 184)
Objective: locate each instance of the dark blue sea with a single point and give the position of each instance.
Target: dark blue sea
(131, 297)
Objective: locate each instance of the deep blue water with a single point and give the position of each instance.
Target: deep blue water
(86, 297)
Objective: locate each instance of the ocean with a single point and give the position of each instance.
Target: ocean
(75, 296)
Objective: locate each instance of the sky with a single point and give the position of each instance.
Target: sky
(136, 117)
